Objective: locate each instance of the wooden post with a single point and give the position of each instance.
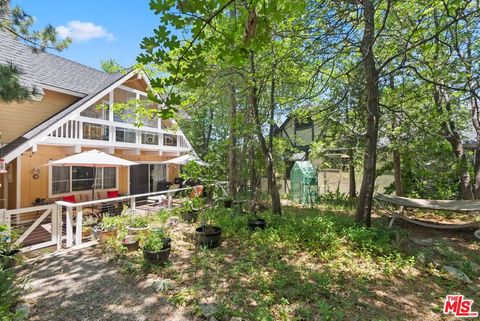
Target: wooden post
(69, 226)
(78, 232)
(132, 205)
(59, 223)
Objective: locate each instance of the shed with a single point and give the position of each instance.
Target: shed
(304, 183)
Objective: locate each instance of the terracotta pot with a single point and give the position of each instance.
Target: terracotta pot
(131, 243)
(104, 235)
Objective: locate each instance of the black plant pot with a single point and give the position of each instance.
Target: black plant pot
(227, 203)
(257, 223)
(7, 259)
(131, 243)
(208, 236)
(190, 216)
(157, 258)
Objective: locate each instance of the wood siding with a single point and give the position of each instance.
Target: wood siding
(18, 119)
(33, 188)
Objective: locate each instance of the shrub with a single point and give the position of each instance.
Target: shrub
(156, 241)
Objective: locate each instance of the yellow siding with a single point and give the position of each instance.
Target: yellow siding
(33, 188)
(17, 118)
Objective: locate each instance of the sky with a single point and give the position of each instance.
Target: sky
(100, 29)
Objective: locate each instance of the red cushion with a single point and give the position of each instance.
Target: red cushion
(69, 198)
(112, 194)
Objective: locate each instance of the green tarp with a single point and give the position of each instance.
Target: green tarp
(304, 183)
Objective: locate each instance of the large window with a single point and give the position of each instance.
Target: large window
(125, 135)
(66, 179)
(126, 115)
(98, 110)
(149, 138)
(94, 131)
(60, 179)
(169, 140)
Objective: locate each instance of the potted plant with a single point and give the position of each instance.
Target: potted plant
(108, 227)
(190, 208)
(208, 235)
(8, 250)
(156, 248)
(227, 202)
(86, 231)
(257, 223)
(131, 243)
(138, 225)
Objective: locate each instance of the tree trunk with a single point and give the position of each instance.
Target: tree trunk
(397, 173)
(253, 175)
(232, 158)
(364, 205)
(352, 185)
(267, 153)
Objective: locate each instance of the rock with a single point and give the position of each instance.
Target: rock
(23, 311)
(457, 274)
(162, 285)
(424, 242)
(475, 267)
(208, 309)
(213, 319)
(173, 221)
(236, 319)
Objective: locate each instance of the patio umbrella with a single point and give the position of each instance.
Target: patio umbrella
(184, 159)
(93, 158)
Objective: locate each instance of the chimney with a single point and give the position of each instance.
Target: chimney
(4, 10)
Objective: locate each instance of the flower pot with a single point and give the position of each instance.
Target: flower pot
(257, 223)
(190, 216)
(137, 230)
(7, 259)
(86, 234)
(209, 236)
(131, 243)
(157, 257)
(227, 203)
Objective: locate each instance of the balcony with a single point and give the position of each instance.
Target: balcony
(105, 133)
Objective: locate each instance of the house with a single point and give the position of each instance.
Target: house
(66, 118)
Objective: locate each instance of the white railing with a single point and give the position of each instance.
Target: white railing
(73, 130)
(75, 211)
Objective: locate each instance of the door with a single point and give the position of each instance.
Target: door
(158, 177)
(3, 190)
(139, 179)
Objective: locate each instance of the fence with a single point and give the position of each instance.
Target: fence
(61, 223)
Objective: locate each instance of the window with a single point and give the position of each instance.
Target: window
(169, 140)
(98, 110)
(149, 138)
(125, 115)
(151, 119)
(125, 135)
(66, 179)
(94, 131)
(60, 179)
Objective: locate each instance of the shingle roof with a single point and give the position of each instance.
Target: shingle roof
(43, 68)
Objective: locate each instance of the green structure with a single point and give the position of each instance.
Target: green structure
(304, 183)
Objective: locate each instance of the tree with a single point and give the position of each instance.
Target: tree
(111, 66)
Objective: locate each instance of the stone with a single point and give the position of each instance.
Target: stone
(475, 267)
(213, 319)
(208, 309)
(424, 242)
(23, 311)
(236, 319)
(457, 274)
(173, 221)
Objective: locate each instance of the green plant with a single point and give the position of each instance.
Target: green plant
(191, 170)
(6, 239)
(111, 223)
(156, 241)
(138, 222)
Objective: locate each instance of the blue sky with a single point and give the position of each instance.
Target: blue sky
(100, 29)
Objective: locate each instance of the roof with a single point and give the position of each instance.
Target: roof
(64, 113)
(39, 69)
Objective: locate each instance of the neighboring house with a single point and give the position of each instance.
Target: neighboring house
(300, 133)
(65, 119)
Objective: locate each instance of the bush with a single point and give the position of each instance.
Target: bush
(156, 241)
